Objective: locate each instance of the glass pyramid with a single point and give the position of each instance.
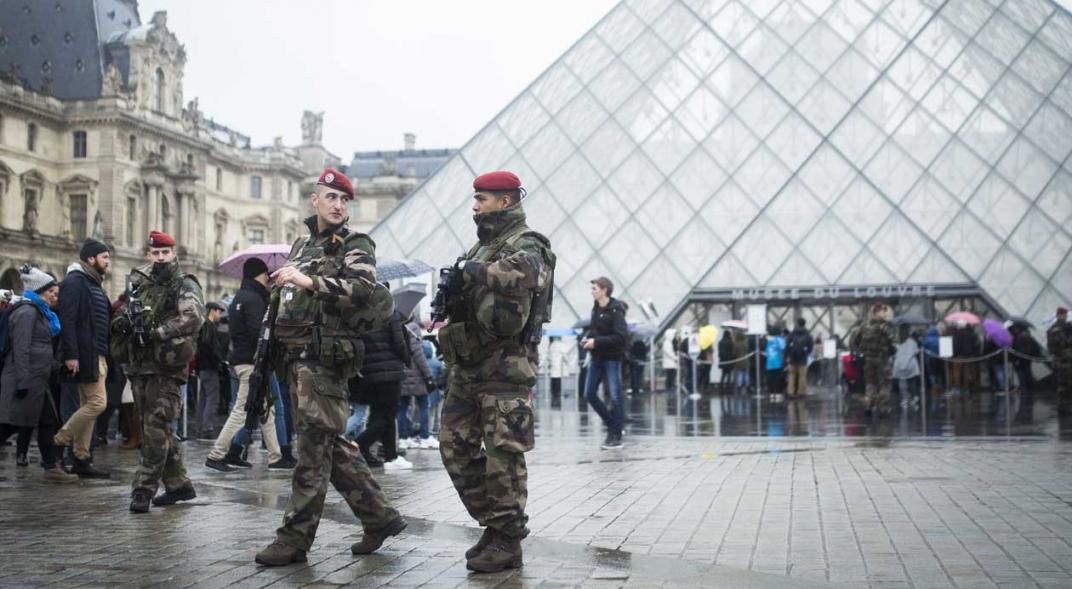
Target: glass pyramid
(685, 144)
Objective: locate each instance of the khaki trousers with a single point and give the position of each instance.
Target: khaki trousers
(237, 420)
(798, 380)
(92, 399)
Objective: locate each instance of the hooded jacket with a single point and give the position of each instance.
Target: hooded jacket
(245, 315)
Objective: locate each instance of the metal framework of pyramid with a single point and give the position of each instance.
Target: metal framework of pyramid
(689, 144)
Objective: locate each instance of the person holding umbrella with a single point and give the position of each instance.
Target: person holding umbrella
(1059, 342)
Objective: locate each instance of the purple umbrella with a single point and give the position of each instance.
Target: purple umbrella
(273, 254)
(997, 333)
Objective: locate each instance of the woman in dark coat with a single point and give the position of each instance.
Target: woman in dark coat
(416, 384)
(27, 401)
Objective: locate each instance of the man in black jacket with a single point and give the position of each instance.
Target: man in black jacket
(798, 347)
(209, 359)
(85, 314)
(244, 318)
(380, 386)
(605, 342)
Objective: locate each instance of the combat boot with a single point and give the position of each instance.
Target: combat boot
(234, 458)
(83, 467)
(183, 493)
(373, 539)
(485, 538)
(278, 554)
(139, 501)
(502, 552)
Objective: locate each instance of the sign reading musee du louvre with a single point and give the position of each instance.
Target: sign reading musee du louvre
(834, 292)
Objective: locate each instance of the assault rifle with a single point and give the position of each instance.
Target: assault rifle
(447, 292)
(259, 398)
(135, 313)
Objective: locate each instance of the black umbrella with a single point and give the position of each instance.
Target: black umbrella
(909, 319)
(1020, 321)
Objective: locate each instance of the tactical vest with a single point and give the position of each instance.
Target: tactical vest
(159, 301)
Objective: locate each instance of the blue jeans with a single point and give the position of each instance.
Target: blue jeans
(241, 438)
(611, 371)
(356, 423)
(405, 426)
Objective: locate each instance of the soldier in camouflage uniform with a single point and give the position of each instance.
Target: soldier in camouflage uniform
(875, 341)
(173, 311)
(1059, 343)
(490, 350)
(328, 298)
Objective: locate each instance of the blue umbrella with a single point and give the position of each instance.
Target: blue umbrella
(389, 269)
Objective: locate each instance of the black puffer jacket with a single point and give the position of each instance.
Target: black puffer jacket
(244, 318)
(609, 331)
(386, 353)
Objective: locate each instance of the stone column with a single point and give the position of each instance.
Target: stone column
(152, 208)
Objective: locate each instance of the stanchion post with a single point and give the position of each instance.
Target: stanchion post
(923, 389)
(651, 364)
(759, 397)
(1008, 395)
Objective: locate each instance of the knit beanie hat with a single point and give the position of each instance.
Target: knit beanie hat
(92, 247)
(35, 280)
(253, 268)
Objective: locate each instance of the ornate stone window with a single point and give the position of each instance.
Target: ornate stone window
(31, 137)
(161, 91)
(255, 186)
(80, 144)
(75, 195)
(33, 186)
(255, 229)
(133, 147)
(79, 204)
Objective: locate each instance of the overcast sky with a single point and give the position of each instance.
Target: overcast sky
(378, 68)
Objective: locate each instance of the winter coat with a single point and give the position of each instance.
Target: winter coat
(669, 355)
(245, 315)
(906, 360)
(607, 328)
(85, 315)
(740, 350)
(439, 372)
(931, 343)
(798, 346)
(418, 372)
(725, 350)
(775, 349)
(965, 343)
(387, 353)
(28, 365)
(558, 360)
(209, 352)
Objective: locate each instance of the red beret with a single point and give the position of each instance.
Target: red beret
(337, 180)
(160, 239)
(501, 180)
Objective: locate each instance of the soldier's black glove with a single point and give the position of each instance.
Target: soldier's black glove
(430, 384)
(457, 276)
(22, 393)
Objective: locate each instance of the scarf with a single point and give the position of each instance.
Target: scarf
(53, 319)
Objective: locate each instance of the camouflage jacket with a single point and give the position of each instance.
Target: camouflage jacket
(1059, 342)
(875, 340)
(174, 309)
(503, 271)
(344, 303)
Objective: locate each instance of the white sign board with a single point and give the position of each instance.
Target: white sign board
(694, 346)
(829, 349)
(757, 319)
(945, 346)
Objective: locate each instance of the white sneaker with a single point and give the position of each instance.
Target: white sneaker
(404, 443)
(429, 444)
(399, 463)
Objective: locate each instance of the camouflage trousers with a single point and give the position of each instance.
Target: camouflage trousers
(321, 406)
(877, 382)
(158, 402)
(493, 482)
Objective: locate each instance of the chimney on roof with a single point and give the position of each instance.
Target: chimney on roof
(409, 141)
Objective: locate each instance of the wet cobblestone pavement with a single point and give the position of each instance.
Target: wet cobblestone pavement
(806, 503)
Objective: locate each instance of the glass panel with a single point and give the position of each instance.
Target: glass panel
(1029, 14)
(914, 72)
(969, 244)
(858, 138)
(793, 77)
(730, 143)
(733, 23)
(1051, 129)
(645, 55)
(703, 52)
(817, 7)
(930, 207)
(706, 8)
(903, 245)
(977, 70)
(887, 104)
(673, 83)
(793, 141)
(440, 248)
(986, 133)
(826, 174)
(936, 268)
(695, 249)
(998, 205)
(401, 221)
(1040, 67)
(581, 117)
(1027, 167)
(628, 252)
(649, 10)
(1062, 279)
(619, 28)
(732, 80)
(967, 16)
(941, 41)
(607, 148)
(797, 271)
(762, 8)
(922, 137)
(600, 214)
(523, 119)
(729, 272)
(822, 46)
(700, 112)
(1057, 33)
(542, 212)
(830, 247)
(761, 110)
(450, 185)
(547, 150)
(823, 106)
(866, 269)
(906, 16)
(669, 145)
(762, 175)
(795, 210)
(790, 20)
(893, 172)
(664, 214)
(641, 114)
(634, 180)
(862, 209)
(676, 25)
(950, 103)
(577, 293)
(614, 85)
(879, 44)
(1011, 283)
(556, 88)
(762, 49)
(1040, 242)
(1045, 304)
(1002, 38)
(762, 249)
(1062, 95)
(1014, 100)
(572, 182)
(1056, 200)
(488, 150)
(851, 74)
(959, 170)
(848, 18)
(571, 248)
(729, 211)
(588, 58)
(697, 178)
(662, 284)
